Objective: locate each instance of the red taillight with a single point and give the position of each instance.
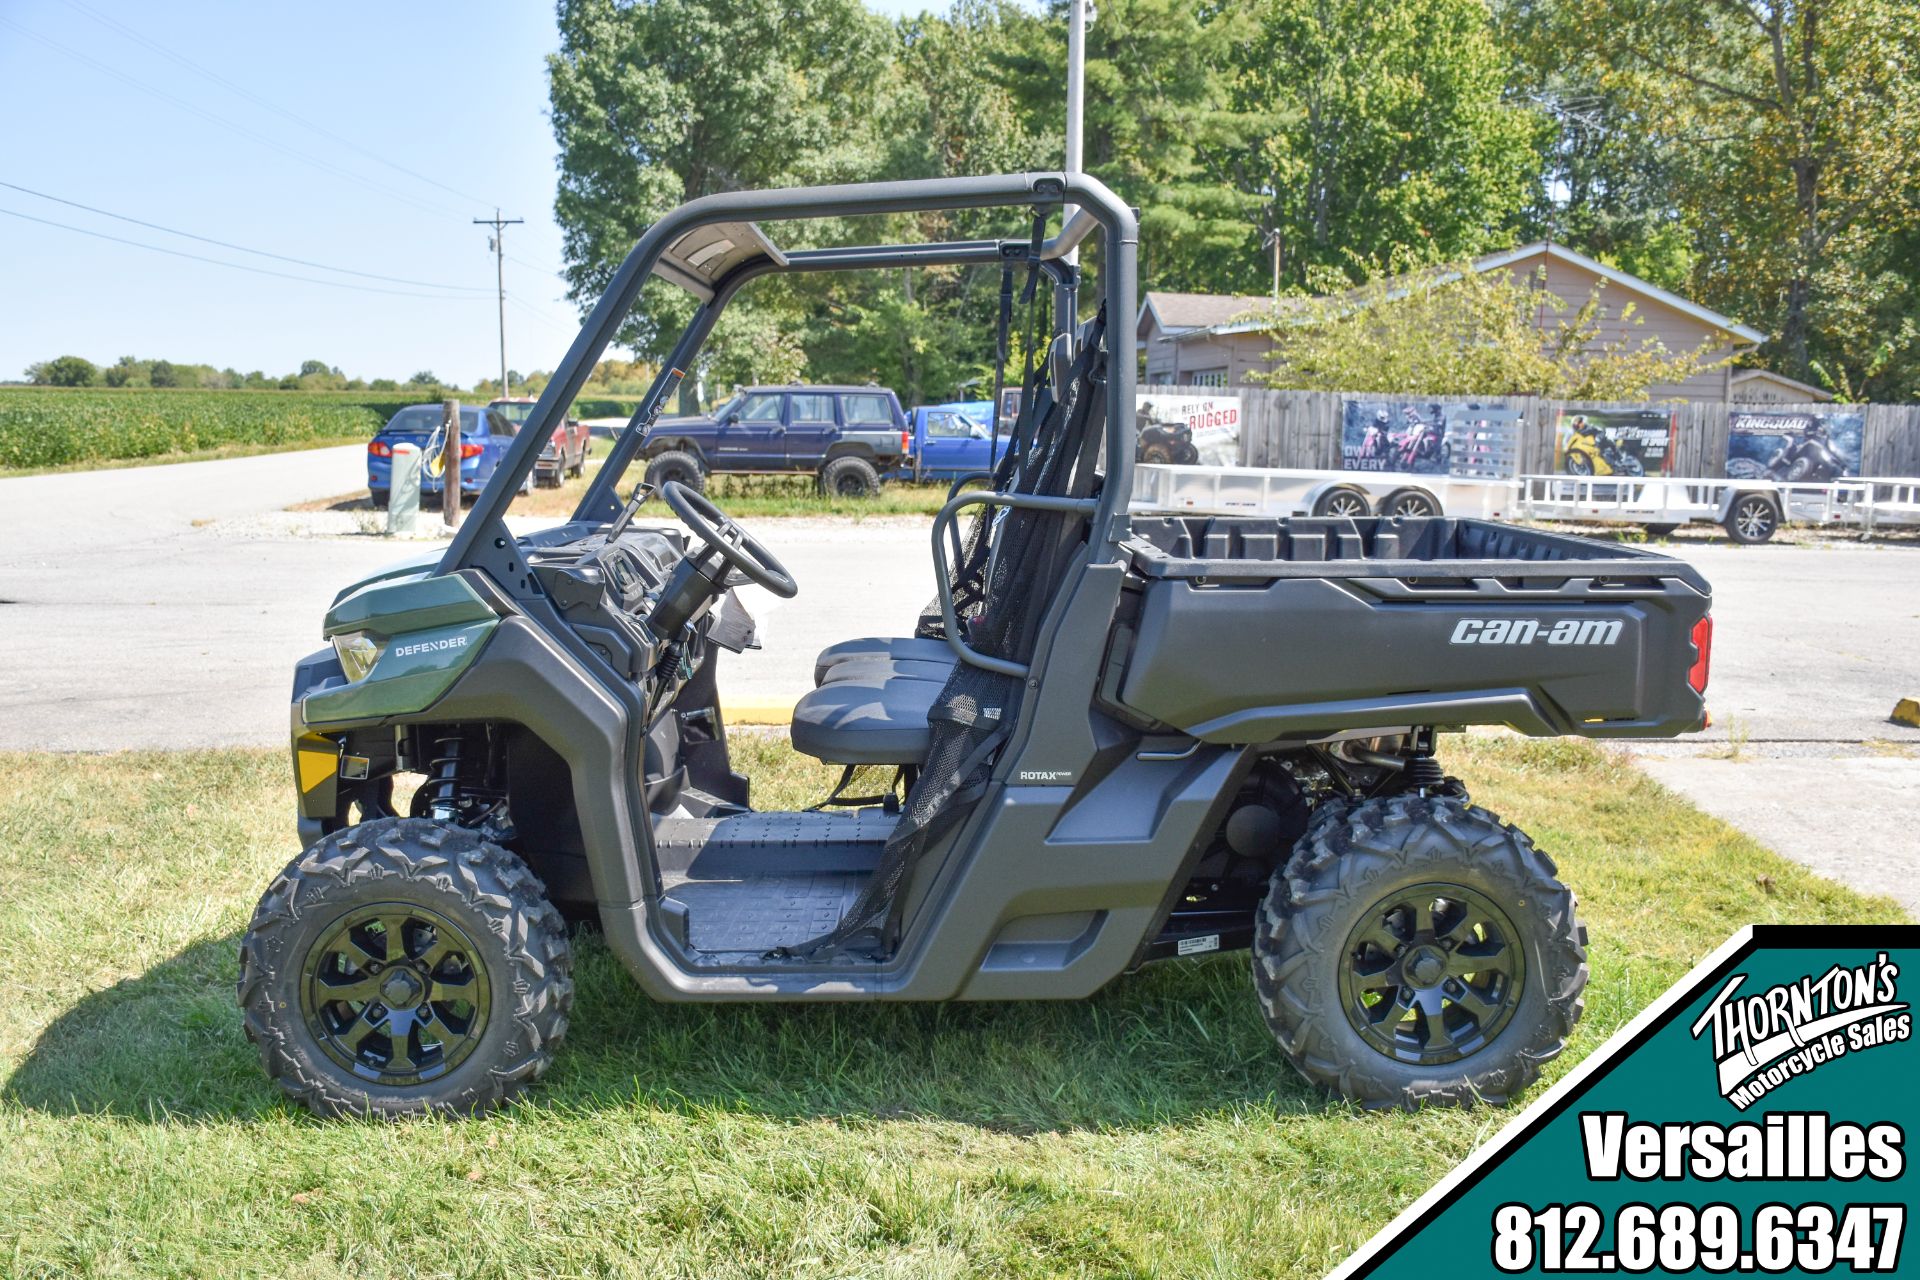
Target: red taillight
(1702, 654)
(469, 450)
(906, 441)
(379, 450)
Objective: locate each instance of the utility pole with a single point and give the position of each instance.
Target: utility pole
(1078, 15)
(1271, 240)
(498, 243)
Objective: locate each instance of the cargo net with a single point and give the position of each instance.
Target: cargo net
(1012, 563)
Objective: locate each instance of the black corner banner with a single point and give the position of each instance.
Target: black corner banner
(1753, 1120)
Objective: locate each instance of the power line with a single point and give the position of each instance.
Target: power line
(255, 98)
(222, 121)
(235, 266)
(239, 248)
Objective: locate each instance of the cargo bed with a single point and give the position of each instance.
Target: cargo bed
(1253, 630)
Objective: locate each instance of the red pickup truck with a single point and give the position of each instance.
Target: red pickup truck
(566, 452)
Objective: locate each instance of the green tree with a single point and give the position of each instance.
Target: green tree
(163, 374)
(64, 371)
(128, 371)
(1792, 127)
(1456, 331)
(1386, 130)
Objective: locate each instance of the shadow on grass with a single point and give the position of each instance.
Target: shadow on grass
(1177, 1040)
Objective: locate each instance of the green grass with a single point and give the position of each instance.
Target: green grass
(1153, 1130)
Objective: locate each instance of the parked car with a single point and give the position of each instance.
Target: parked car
(566, 452)
(951, 440)
(484, 437)
(850, 437)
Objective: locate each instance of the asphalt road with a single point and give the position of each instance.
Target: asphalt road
(156, 607)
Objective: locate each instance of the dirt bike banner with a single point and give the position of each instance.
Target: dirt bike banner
(1188, 430)
(1752, 1120)
(1808, 448)
(1429, 439)
(1613, 442)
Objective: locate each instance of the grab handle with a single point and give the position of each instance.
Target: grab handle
(944, 520)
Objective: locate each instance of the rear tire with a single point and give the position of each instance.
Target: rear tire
(1752, 519)
(1659, 530)
(1415, 950)
(849, 478)
(678, 466)
(460, 1009)
(382, 498)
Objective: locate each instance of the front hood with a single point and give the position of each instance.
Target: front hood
(692, 420)
(419, 565)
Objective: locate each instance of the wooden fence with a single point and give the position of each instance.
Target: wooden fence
(1302, 428)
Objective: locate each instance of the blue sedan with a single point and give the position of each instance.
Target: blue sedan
(484, 437)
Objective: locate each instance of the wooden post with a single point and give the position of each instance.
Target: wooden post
(450, 490)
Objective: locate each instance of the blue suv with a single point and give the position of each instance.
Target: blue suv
(484, 437)
(848, 437)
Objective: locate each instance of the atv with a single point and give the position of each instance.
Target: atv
(1113, 738)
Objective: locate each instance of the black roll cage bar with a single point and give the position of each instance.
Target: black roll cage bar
(483, 541)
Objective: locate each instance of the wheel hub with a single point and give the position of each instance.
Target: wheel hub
(395, 993)
(1432, 974)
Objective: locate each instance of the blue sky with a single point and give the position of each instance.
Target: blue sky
(354, 135)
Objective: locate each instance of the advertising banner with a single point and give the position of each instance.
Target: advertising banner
(1753, 1120)
(1613, 442)
(1188, 430)
(1428, 439)
(1798, 448)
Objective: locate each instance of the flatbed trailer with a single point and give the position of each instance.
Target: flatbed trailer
(1750, 511)
(1290, 491)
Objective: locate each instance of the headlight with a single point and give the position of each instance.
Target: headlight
(357, 652)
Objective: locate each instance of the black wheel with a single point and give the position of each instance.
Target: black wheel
(1409, 502)
(1158, 455)
(1579, 464)
(1752, 519)
(849, 478)
(579, 467)
(1659, 530)
(681, 468)
(381, 497)
(1342, 502)
(1628, 465)
(403, 966)
(1417, 950)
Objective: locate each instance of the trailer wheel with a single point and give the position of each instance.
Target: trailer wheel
(1410, 503)
(1342, 501)
(1416, 950)
(1659, 530)
(1751, 519)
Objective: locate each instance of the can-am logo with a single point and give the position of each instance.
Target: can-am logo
(1763, 1040)
(431, 646)
(1533, 631)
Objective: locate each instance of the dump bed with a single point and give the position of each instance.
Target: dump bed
(1266, 630)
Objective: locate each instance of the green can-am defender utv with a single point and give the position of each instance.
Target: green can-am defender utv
(1120, 737)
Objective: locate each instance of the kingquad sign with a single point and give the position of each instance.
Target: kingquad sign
(1752, 1121)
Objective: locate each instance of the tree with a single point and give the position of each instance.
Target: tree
(128, 371)
(162, 374)
(1792, 124)
(1458, 331)
(1376, 127)
(316, 368)
(425, 378)
(64, 371)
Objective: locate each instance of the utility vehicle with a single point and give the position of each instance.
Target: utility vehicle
(1116, 738)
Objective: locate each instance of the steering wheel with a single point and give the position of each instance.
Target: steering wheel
(729, 541)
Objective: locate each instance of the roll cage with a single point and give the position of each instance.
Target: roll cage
(714, 245)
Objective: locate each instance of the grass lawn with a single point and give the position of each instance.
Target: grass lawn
(741, 496)
(1153, 1130)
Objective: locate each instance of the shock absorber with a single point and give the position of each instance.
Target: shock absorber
(443, 777)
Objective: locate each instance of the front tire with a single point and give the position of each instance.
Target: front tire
(1415, 950)
(401, 967)
(1752, 519)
